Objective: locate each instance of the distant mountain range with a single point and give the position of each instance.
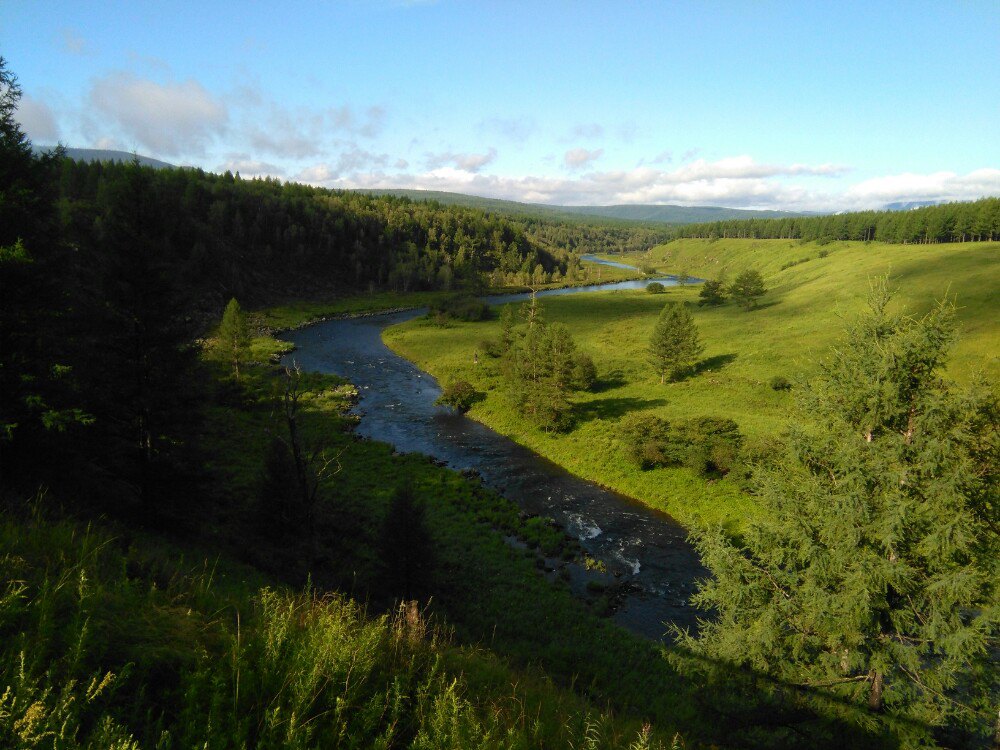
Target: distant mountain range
(910, 205)
(646, 214)
(101, 154)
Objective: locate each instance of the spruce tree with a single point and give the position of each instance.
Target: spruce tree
(713, 292)
(871, 572)
(674, 346)
(234, 336)
(747, 288)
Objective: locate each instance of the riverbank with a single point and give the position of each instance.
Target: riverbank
(795, 324)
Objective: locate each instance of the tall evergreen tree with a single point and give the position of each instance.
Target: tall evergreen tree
(234, 336)
(140, 365)
(406, 544)
(872, 570)
(712, 292)
(38, 403)
(674, 346)
(747, 288)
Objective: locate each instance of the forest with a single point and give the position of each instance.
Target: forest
(978, 221)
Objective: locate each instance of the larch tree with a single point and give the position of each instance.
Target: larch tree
(871, 573)
(675, 345)
(234, 336)
(747, 288)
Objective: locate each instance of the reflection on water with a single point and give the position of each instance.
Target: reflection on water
(640, 545)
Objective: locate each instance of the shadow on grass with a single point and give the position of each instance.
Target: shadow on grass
(612, 380)
(712, 364)
(613, 408)
(765, 305)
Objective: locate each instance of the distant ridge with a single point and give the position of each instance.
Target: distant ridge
(910, 205)
(647, 214)
(627, 214)
(100, 154)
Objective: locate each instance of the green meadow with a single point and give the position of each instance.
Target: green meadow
(812, 290)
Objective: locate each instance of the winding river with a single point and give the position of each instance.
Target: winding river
(645, 551)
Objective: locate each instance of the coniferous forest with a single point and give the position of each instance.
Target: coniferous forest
(978, 221)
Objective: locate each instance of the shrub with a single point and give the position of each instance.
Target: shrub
(492, 348)
(648, 440)
(709, 446)
(655, 287)
(584, 372)
(780, 383)
(459, 394)
(823, 253)
(460, 307)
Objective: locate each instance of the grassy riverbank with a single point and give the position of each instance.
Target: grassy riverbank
(812, 288)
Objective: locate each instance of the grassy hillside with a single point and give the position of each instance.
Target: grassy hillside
(796, 323)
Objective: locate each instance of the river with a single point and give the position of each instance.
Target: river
(642, 548)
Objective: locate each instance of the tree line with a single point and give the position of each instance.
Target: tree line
(261, 239)
(978, 221)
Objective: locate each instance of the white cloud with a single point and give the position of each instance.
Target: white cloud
(587, 130)
(517, 130)
(167, 119)
(74, 44)
(938, 186)
(464, 162)
(248, 167)
(37, 120)
(737, 182)
(580, 157)
(369, 124)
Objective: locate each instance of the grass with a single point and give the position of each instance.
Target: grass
(799, 319)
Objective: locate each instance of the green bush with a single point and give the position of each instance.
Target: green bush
(460, 395)
(584, 372)
(780, 383)
(655, 287)
(459, 307)
(709, 446)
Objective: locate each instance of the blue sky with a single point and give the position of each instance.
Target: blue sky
(806, 105)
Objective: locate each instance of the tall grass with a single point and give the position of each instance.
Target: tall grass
(108, 645)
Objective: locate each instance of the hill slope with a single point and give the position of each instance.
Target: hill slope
(650, 214)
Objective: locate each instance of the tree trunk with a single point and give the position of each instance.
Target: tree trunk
(875, 696)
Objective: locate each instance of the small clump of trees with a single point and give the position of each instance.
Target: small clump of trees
(540, 365)
(459, 307)
(674, 346)
(709, 446)
(655, 287)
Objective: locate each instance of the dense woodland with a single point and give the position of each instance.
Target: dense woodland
(951, 222)
(223, 236)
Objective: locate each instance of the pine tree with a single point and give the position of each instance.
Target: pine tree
(712, 292)
(674, 346)
(234, 335)
(406, 544)
(747, 288)
(872, 570)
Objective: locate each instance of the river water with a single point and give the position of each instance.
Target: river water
(645, 551)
